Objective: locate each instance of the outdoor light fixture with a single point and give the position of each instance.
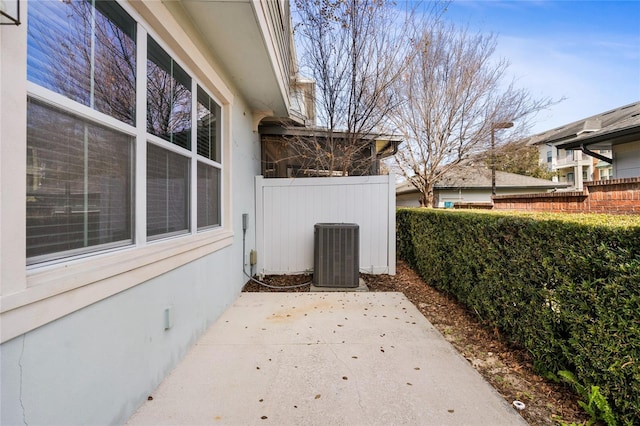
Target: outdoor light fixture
(10, 9)
(494, 126)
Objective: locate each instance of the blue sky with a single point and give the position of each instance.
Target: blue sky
(585, 51)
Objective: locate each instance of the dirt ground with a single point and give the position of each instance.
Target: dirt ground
(508, 369)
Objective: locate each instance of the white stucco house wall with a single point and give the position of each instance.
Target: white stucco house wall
(128, 150)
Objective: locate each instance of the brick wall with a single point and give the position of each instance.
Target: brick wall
(617, 196)
(614, 196)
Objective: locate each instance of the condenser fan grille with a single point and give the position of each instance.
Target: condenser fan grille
(336, 255)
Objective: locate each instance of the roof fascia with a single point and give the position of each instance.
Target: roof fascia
(616, 137)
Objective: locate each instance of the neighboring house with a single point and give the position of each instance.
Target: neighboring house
(601, 147)
(289, 151)
(133, 124)
(472, 185)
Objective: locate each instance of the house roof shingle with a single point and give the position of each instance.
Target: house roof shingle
(480, 177)
(612, 126)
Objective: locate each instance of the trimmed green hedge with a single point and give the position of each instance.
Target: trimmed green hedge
(564, 287)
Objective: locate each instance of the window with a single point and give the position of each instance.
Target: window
(82, 135)
(167, 192)
(209, 157)
(208, 196)
(549, 156)
(570, 177)
(85, 51)
(208, 132)
(168, 97)
(606, 173)
(79, 183)
(79, 171)
(169, 118)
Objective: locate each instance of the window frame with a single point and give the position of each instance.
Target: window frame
(92, 115)
(217, 164)
(177, 77)
(192, 153)
(88, 250)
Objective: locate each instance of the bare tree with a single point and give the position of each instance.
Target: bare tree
(355, 51)
(455, 92)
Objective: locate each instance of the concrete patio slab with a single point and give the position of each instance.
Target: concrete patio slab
(324, 359)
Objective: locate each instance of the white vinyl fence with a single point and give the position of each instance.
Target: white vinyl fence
(288, 209)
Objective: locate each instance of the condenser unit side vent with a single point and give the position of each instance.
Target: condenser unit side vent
(336, 255)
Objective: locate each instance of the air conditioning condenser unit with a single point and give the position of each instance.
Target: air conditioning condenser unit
(336, 255)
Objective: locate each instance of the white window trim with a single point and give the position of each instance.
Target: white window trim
(69, 106)
(55, 289)
(193, 163)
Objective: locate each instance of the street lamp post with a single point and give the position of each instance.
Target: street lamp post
(494, 126)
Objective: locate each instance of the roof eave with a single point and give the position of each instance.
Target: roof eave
(620, 136)
(254, 59)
